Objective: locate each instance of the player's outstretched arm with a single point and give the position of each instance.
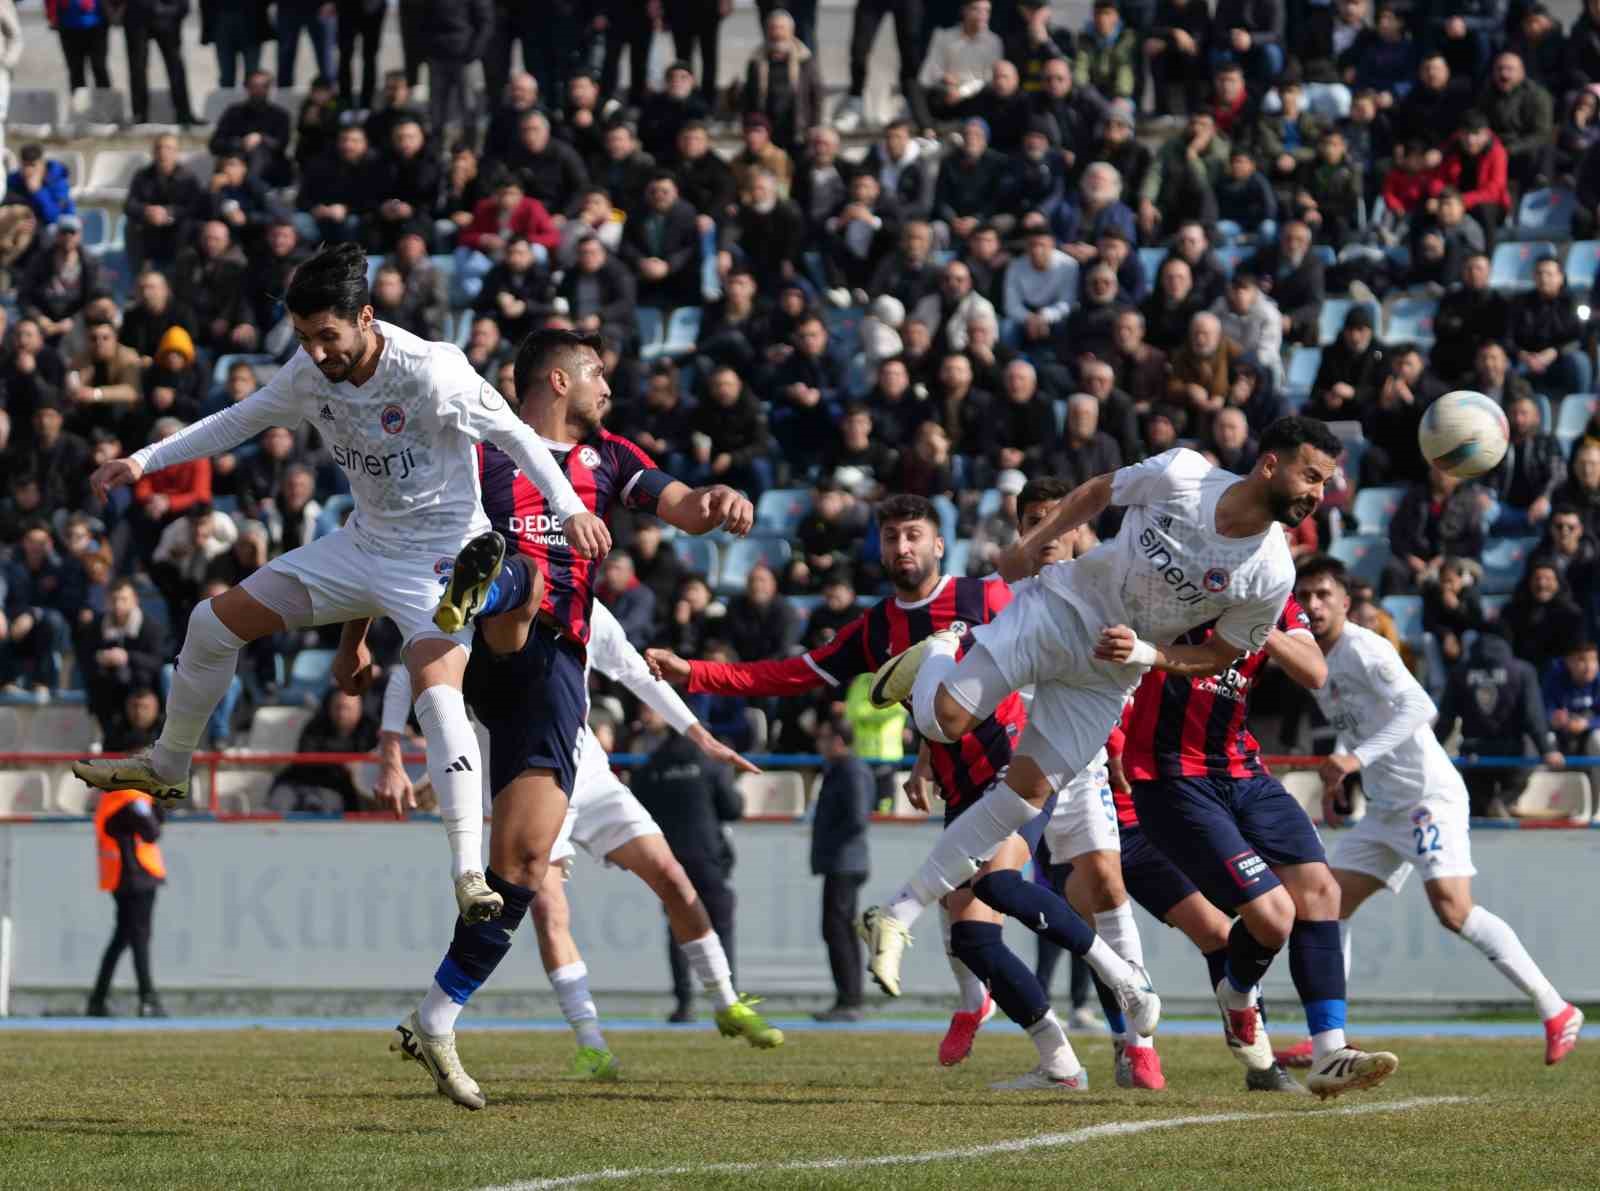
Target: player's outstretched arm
(702, 510)
(352, 664)
(1118, 643)
(1300, 656)
(1086, 502)
(785, 676)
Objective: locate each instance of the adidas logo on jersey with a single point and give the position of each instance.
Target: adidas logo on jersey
(459, 765)
(326, 412)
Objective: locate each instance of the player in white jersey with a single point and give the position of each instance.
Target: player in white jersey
(1417, 805)
(608, 822)
(1197, 544)
(401, 417)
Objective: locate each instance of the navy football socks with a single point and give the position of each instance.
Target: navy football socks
(1248, 960)
(1011, 982)
(477, 949)
(1041, 910)
(1316, 962)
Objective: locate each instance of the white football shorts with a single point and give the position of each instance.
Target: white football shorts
(1431, 835)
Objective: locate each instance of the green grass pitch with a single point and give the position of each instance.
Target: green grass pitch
(335, 1110)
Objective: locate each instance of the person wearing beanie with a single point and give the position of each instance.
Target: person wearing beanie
(173, 386)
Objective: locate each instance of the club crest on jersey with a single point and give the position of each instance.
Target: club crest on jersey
(1421, 817)
(490, 397)
(392, 419)
(1215, 580)
(589, 457)
(959, 627)
(442, 569)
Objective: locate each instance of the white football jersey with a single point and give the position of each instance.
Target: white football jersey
(404, 439)
(1168, 570)
(1368, 685)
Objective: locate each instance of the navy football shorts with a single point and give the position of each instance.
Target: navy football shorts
(1227, 834)
(1151, 880)
(534, 704)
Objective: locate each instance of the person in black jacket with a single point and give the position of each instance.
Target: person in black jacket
(456, 34)
(160, 21)
(1524, 482)
(162, 198)
(1468, 315)
(551, 170)
(730, 439)
(412, 181)
(1495, 697)
(119, 652)
(1390, 422)
(970, 182)
(340, 726)
(665, 112)
(839, 856)
(600, 293)
(259, 129)
(768, 231)
(1352, 368)
(661, 244)
(690, 798)
(705, 180)
(341, 190)
(125, 838)
(1292, 276)
(1545, 333)
(1439, 517)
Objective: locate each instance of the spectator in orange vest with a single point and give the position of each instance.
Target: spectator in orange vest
(127, 824)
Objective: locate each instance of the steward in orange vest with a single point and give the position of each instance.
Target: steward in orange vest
(127, 824)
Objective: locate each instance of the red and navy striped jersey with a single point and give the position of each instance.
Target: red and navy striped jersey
(1195, 727)
(603, 469)
(963, 769)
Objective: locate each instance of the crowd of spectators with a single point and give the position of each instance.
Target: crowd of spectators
(1071, 248)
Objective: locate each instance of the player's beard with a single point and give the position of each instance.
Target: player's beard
(910, 580)
(1292, 510)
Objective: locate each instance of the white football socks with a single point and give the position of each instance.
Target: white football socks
(437, 1014)
(1120, 929)
(1325, 1043)
(970, 990)
(709, 962)
(206, 665)
(1107, 964)
(1056, 1056)
(1494, 937)
(571, 984)
(962, 850)
(937, 666)
(456, 768)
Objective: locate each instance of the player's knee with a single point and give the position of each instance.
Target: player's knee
(672, 886)
(1317, 899)
(550, 914)
(1270, 918)
(522, 863)
(1451, 911)
(1103, 871)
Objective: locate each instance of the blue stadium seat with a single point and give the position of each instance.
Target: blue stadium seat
(949, 517)
(334, 510)
(1326, 254)
(1407, 613)
(374, 263)
(1364, 554)
(1410, 320)
(648, 324)
(1375, 507)
(219, 370)
(698, 555)
(1331, 321)
(683, 331)
(989, 503)
(779, 510)
(1493, 605)
(1059, 408)
(805, 605)
(1232, 257)
(1583, 260)
(1303, 367)
(858, 378)
(1546, 214)
(1575, 413)
(96, 226)
(844, 327)
(1503, 562)
(116, 272)
(1151, 258)
(309, 676)
(1512, 266)
(740, 556)
(958, 557)
(463, 335)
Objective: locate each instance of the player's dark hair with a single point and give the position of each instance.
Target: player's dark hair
(1287, 435)
(1320, 565)
(1040, 491)
(895, 509)
(334, 279)
(1582, 647)
(543, 349)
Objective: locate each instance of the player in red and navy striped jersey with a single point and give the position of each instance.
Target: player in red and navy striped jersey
(926, 602)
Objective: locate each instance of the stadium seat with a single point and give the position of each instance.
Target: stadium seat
(374, 263)
(1574, 414)
(73, 160)
(1583, 259)
(1364, 554)
(740, 557)
(844, 327)
(1306, 788)
(648, 324)
(901, 807)
(197, 164)
(1326, 254)
(24, 792)
(10, 730)
(221, 100)
(110, 173)
(756, 720)
(1151, 258)
(779, 510)
(1410, 320)
(805, 605)
(1232, 257)
(463, 335)
(1555, 795)
(1546, 214)
(117, 272)
(773, 794)
(1512, 267)
(1331, 321)
(98, 111)
(683, 332)
(277, 729)
(57, 727)
(309, 676)
(1503, 561)
(990, 503)
(1406, 611)
(35, 113)
(163, 112)
(1493, 605)
(1303, 366)
(958, 557)
(96, 226)
(949, 517)
(219, 370)
(72, 797)
(698, 555)
(1374, 507)
(1059, 408)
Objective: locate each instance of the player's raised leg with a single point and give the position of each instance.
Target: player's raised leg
(650, 859)
(569, 979)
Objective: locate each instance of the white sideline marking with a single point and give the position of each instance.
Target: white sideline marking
(1014, 1146)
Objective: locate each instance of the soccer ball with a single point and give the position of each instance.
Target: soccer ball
(1464, 433)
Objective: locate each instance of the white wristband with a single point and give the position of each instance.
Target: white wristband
(1144, 654)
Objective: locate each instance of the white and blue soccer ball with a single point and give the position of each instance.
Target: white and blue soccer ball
(1464, 433)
